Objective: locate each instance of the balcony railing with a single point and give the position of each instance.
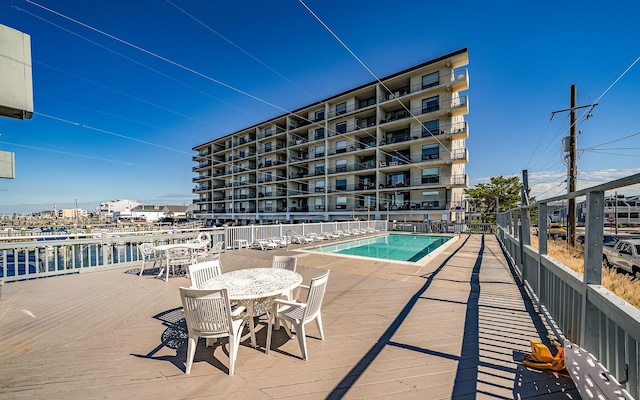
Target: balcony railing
(447, 105)
(456, 76)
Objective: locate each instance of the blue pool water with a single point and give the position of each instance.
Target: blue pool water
(388, 247)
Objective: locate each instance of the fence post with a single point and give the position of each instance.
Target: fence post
(594, 229)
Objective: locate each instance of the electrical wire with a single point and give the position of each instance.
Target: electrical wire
(238, 47)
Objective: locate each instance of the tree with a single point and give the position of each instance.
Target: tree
(500, 190)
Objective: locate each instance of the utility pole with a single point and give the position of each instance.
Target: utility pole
(572, 168)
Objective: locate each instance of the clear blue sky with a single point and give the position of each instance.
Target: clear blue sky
(113, 121)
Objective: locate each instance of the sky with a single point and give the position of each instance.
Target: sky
(123, 90)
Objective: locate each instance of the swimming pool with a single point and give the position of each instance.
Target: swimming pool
(389, 247)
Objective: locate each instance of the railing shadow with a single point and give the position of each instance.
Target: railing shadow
(352, 376)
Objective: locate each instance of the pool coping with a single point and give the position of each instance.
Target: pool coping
(420, 263)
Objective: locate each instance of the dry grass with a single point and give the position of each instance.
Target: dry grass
(620, 283)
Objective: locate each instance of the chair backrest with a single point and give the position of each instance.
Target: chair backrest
(203, 271)
(207, 312)
(146, 249)
(179, 256)
(284, 262)
(316, 294)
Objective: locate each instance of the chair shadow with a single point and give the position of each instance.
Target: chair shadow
(176, 336)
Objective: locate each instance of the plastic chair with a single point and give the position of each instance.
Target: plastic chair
(284, 262)
(208, 315)
(203, 271)
(289, 263)
(300, 314)
(148, 254)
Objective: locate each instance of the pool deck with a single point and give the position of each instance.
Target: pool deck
(457, 327)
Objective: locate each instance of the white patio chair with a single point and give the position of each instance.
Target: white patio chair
(300, 314)
(203, 271)
(208, 315)
(148, 254)
(212, 252)
(289, 263)
(284, 262)
(178, 257)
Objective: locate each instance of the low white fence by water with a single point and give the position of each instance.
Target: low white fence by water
(578, 307)
(37, 256)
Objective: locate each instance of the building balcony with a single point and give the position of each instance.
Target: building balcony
(455, 82)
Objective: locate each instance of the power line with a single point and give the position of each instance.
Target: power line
(200, 74)
(372, 74)
(238, 47)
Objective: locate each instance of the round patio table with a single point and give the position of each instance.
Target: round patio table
(255, 288)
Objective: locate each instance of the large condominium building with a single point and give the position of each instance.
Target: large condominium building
(391, 149)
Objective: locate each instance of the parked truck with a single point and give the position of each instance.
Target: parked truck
(624, 255)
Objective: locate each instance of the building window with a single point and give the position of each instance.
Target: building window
(267, 162)
(267, 147)
(319, 151)
(318, 203)
(431, 175)
(267, 177)
(268, 205)
(319, 133)
(341, 184)
(341, 127)
(341, 203)
(398, 180)
(341, 146)
(431, 80)
(431, 104)
(430, 128)
(430, 152)
(318, 116)
(319, 169)
(430, 200)
(319, 187)
(370, 201)
(268, 131)
(341, 108)
(367, 102)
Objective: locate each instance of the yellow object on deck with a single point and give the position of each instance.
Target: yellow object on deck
(541, 358)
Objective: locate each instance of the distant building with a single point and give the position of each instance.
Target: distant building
(150, 213)
(178, 212)
(623, 210)
(117, 208)
(72, 213)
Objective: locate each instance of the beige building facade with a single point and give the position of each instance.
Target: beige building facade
(391, 149)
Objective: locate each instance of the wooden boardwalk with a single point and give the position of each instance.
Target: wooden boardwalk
(457, 328)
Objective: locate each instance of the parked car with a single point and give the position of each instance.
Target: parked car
(607, 240)
(625, 255)
(557, 232)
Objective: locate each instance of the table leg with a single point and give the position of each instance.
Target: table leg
(252, 327)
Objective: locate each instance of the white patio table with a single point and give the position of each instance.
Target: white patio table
(255, 288)
(164, 247)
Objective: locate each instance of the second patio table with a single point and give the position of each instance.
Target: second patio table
(255, 288)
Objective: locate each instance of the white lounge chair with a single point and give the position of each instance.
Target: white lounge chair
(329, 235)
(208, 315)
(264, 244)
(300, 314)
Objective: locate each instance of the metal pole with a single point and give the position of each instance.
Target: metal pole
(573, 168)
